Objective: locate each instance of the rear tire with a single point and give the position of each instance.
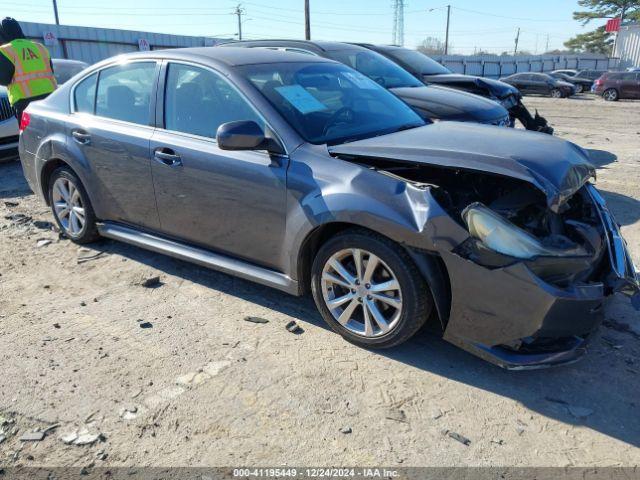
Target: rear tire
(71, 207)
(382, 303)
(556, 93)
(610, 95)
(579, 88)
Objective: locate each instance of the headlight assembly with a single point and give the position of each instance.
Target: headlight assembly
(504, 237)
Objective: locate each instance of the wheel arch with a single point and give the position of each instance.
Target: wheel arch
(430, 265)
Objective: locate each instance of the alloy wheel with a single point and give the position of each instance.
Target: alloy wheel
(67, 204)
(361, 292)
(555, 93)
(610, 95)
(579, 88)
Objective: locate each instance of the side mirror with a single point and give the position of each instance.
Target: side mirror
(245, 135)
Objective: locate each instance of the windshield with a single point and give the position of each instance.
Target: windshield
(330, 103)
(376, 67)
(418, 62)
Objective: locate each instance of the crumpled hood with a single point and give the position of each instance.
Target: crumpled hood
(557, 167)
(494, 88)
(449, 104)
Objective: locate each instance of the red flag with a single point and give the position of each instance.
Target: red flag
(613, 25)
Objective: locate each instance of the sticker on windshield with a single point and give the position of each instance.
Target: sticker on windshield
(297, 96)
(361, 81)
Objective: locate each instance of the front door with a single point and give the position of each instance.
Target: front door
(630, 85)
(229, 201)
(110, 129)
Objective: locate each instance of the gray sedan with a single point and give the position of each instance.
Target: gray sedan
(300, 173)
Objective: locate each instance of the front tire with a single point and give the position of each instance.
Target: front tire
(579, 88)
(369, 290)
(610, 95)
(71, 207)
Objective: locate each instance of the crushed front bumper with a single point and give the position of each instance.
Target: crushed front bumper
(518, 111)
(511, 317)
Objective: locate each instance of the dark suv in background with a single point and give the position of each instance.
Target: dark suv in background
(432, 103)
(616, 85)
(540, 84)
(429, 71)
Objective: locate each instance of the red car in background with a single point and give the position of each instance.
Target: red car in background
(616, 85)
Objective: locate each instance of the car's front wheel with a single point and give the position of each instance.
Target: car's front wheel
(610, 95)
(579, 88)
(71, 206)
(368, 289)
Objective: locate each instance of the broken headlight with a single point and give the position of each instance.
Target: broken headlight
(504, 237)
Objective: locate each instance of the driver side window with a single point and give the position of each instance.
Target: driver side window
(198, 101)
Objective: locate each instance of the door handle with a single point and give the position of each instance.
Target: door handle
(81, 137)
(168, 157)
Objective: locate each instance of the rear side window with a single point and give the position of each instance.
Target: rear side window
(198, 101)
(124, 92)
(85, 94)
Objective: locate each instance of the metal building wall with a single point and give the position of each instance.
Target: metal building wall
(628, 45)
(494, 66)
(91, 44)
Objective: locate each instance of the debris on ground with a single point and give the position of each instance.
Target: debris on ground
(396, 415)
(346, 430)
(88, 258)
(11, 204)
(256, 319)
(43, 225)
(142, 324)
(32, 437)
(151, 282)
(82, 437)
(3, 437)
(43, 242)
(18, 218)
(129, 412)
(456, 436)
(293, 327)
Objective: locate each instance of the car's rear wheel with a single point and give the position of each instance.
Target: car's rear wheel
(556, 93)
(368, 289)
(579, 88)
(610, 95)
(71, 206)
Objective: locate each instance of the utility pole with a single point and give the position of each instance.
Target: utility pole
(55, 11)
(446, 38)
(307, 21)
(515, 50)
(547, 49)
(239, 13)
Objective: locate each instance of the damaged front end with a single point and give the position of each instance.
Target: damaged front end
(529, 276)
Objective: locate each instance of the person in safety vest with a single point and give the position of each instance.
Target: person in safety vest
(25, 67)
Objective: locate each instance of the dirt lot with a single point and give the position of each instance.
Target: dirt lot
(174, 375)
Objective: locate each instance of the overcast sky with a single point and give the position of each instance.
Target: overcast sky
(490, 24)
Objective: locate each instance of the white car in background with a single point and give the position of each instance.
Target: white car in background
(63, 70)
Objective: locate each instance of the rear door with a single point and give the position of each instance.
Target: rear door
(110, 130)
(229, 201)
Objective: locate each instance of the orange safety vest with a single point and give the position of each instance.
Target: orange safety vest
(33, 75)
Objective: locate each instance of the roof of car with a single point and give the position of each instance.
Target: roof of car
(228, 56)
(326, 46)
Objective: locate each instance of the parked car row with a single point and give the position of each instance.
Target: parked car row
(304, 174)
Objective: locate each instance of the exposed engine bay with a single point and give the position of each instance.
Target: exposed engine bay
(571, 242)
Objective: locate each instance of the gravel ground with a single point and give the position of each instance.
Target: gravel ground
(171, 374)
